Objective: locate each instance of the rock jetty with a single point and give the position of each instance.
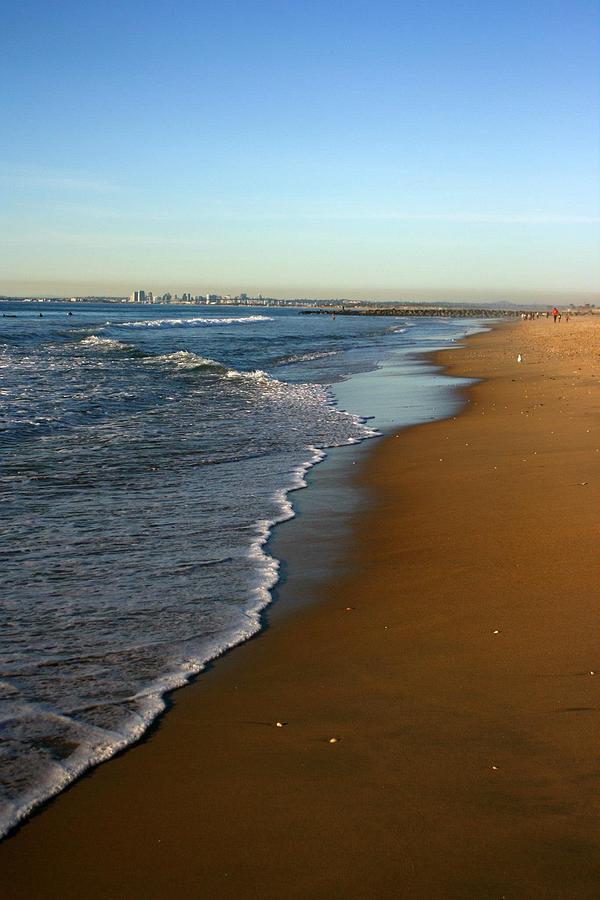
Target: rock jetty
(448, 312)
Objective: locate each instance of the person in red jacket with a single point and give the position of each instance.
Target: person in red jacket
(555, 314)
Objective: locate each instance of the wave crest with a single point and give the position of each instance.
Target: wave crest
(306, 357)
(101, 343)
(188, 361)
(192, 322)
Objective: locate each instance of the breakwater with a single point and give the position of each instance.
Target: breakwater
(463, 312)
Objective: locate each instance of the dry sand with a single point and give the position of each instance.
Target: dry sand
(459, 686)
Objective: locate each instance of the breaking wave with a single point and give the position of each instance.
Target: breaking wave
(101, 343)
(193, 322)
(306, 357)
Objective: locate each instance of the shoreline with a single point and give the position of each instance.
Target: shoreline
(390, 811)
(159, 694)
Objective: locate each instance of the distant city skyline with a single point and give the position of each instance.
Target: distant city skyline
(91, 289)
(547, 298)
(307, 149)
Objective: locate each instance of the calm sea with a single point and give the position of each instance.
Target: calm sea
(147, 452)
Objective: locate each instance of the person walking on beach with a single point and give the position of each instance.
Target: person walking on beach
(554, 314)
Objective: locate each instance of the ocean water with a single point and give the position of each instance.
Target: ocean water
(147, 452)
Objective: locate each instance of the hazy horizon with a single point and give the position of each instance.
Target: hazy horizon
(425, 151)
(433, 296)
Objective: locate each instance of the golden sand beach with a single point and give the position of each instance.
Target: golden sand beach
(457, 668)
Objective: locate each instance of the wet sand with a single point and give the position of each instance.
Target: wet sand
(452, 662)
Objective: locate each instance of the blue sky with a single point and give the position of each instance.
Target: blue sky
(382, 150)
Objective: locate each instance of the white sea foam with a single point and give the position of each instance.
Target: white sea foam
(307, 357)
(101, 343)
(255, 375)
(193, 321)
(185, 359)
